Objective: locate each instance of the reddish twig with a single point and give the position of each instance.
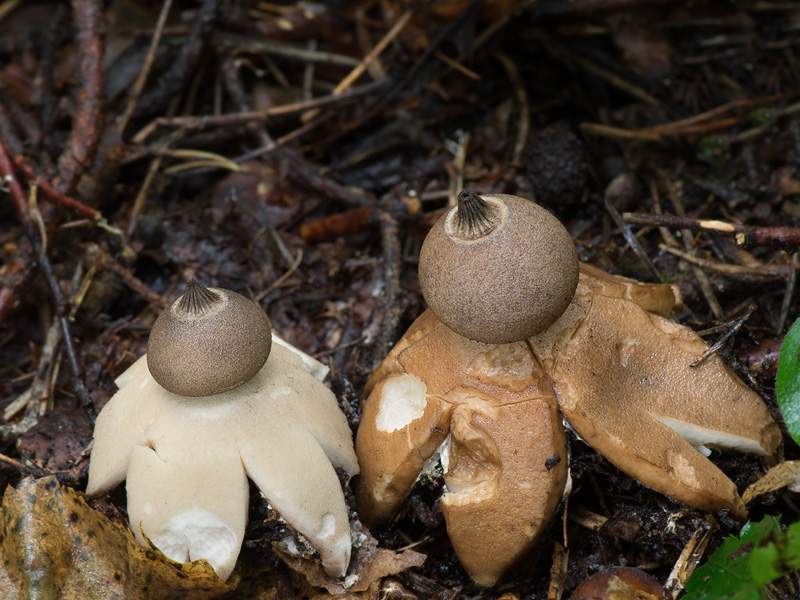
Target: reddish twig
(104, 261)
(85, 135)
(330, 227)
(61, 304)
(745, 236)
(48, 190)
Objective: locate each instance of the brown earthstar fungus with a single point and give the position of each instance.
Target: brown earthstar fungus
(485, 375)
(461, 281)
(212, 403)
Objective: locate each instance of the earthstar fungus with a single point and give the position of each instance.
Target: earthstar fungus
(462, 279)
(485, 378)
(212, 403)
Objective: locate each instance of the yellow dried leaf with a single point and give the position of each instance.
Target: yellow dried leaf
(53, 545)
(782, 475)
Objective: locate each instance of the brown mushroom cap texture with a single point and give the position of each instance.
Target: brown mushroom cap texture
(209, 341)
(502, 271)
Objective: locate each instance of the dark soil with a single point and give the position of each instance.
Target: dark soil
(324, 221)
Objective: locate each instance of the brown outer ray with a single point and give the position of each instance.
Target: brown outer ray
(660, 298)
(391, 461)
(494, 523)
(615, 369)
(506, 432)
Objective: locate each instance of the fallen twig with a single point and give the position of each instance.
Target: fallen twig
(700, 124)
(23, 468)
(632, 240)
(60, 301)
(353, 75)
(48, 190)
(174, 81)
(138, 87)
(676, 196)
(690, 557)
(102, 260)
(745, 236)
(730, 329)
(226, 120)
(88, 124)
(773, 272)
(393, 262)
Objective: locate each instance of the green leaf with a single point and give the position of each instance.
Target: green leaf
(787, 386)
(711, 150)
(728, 574)
(761, 115)
(777, 555)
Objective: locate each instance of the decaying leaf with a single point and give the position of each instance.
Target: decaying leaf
(53, 545)
(786, 474)
(368, 565)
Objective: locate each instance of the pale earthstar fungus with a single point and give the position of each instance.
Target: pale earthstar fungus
(213, 402)
(518, 334)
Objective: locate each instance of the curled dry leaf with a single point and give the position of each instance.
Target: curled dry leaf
(369, 564)
(54, 545)
(785, 474)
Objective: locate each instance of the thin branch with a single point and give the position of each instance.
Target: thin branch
(85, 135)
(732, 328)
(204, 121)
(745, 236)
(138, 87)
(60, 301)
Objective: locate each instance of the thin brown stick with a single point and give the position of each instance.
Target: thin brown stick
(731, 329)
(85, 135)
(353, 75)
(690, 557)
(204, 121)
(285, 50)
(23, 468)
(632, 240)
(393, 261)
(173, 82)
(103, 260)
(699, 124)
(138, 87)
(61, 304)
(676, 196)
(279, 281)
(48, 190)
(522, 102)
(745, 236)
(141, 196)
(788, 294)
(773, 272)
(612, 78)
(558, 572)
